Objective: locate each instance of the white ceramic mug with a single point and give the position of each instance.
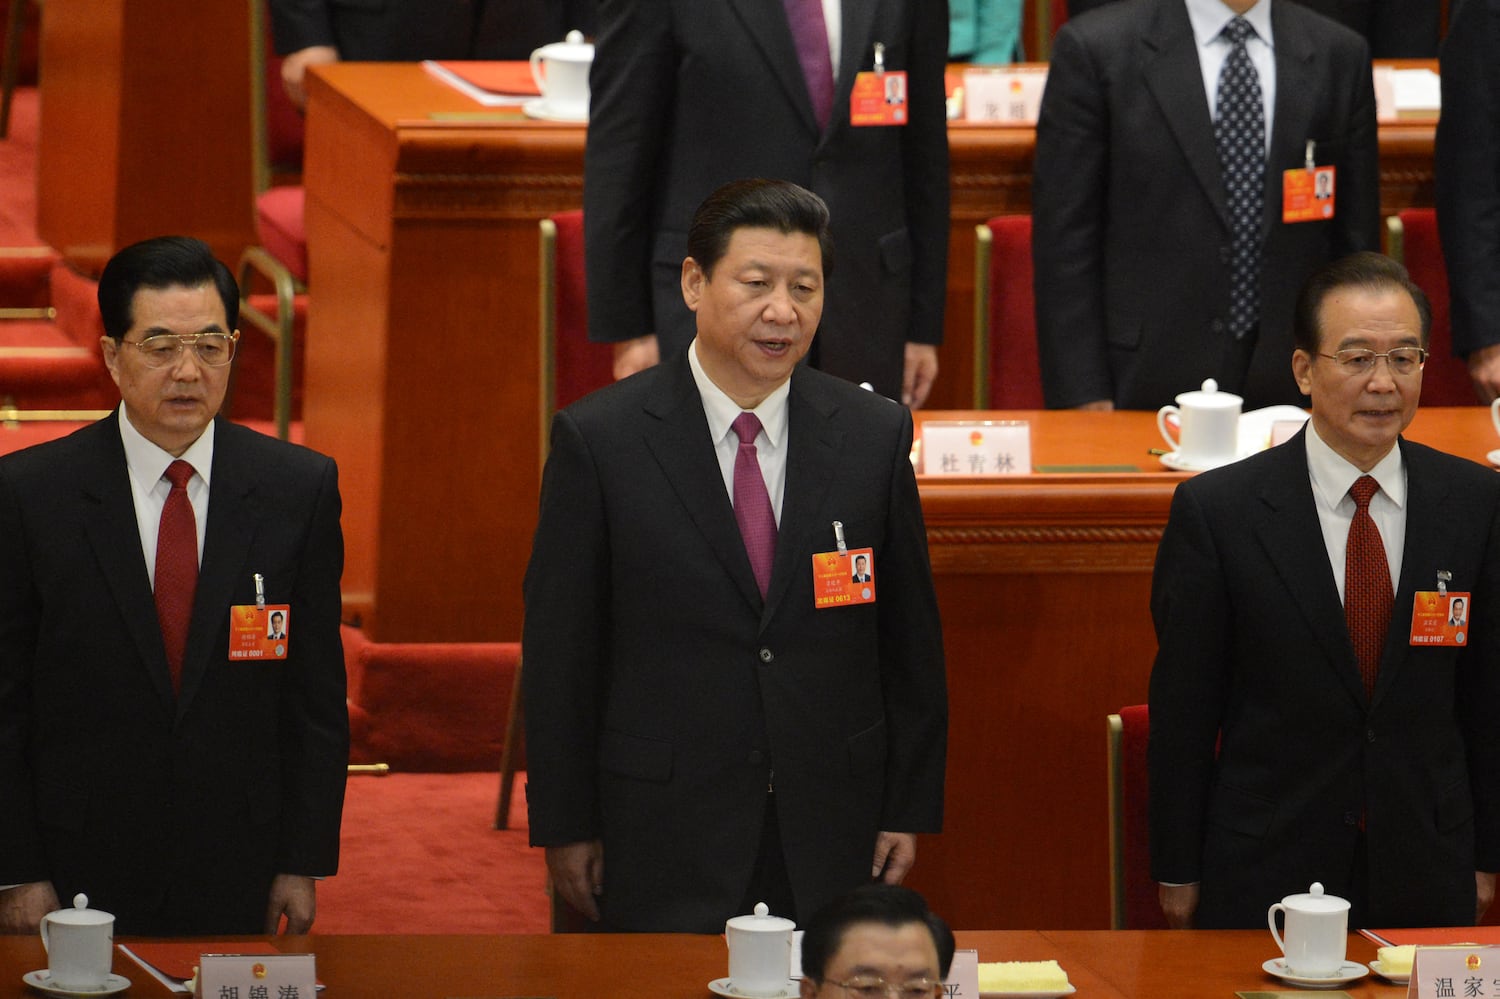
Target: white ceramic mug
(1208, 425)
(1495, 414)
(79, 944)
(1317, 931)
(760, 952)
(561, 72)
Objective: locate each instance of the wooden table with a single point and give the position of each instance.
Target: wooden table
(1044, 585)
(1100, 964)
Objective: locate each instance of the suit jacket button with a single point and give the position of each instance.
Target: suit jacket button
(1369, 735)
(766, 655)
(1217, 326)
(1351, 818)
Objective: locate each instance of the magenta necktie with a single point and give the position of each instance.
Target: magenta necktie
(176, 568)
(805, 17)
(752, 504)
(1367, 584)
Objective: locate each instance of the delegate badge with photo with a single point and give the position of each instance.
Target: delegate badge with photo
(257, 632)
(842, 579)
(1307, 194)
(878, 98)
(1440, 618)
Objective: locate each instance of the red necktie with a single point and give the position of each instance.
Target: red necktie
(752, 504)
(1367, 584)
(176, 568)
(810, 33)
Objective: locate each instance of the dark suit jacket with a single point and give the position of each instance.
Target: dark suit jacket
(408, 30)
(1253, 645)
(1468, 173)
(661, 694)
(172, 814)
(1131, 231)
(687, 96)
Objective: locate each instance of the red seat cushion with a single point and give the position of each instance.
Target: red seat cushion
(279, 225)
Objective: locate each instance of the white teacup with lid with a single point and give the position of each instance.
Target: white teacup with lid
(561, 72)
(1317, 932)
(79, 944)
(760, 952)
(1208, 426)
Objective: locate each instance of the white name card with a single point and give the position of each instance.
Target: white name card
(257, 976)
(1407, 94)
(976, 447)
(963, 976)
(1455, 973)
(1012, 95)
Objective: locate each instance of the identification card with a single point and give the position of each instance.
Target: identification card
(1307, 195)
(842, 579)
(1440, 618)
(878, 98)
(259, 632)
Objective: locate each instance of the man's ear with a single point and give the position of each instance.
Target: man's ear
(693, 280)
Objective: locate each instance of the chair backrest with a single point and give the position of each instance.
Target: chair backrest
(276, 122)
(1412, 238)
(572, 366)
(1132, 892)
(1007, 374)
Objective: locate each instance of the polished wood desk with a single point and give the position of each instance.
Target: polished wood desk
(1100, 964)
(421, 222)
(1044, 586)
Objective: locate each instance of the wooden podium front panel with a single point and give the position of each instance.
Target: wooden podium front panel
(145, 126)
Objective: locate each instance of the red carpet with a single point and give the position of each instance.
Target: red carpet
(420, 856)
(18, 172)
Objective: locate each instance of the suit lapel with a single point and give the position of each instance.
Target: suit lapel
(856, 42)
(1292, 537)
(232, 521)
(1175, 79)
(813, 448)
(766, 24)
(678, 439)
(115, 537)
(1296, 77)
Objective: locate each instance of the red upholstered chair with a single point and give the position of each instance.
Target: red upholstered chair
(572, 367)
(1007, 374)
(1132, 892)
(1412, 238)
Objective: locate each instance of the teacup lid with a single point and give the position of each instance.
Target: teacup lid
(572, 49)
(1209, 397)
(761, 922)
(1315, 900)
(80, 914)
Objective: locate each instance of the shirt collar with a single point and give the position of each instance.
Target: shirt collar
(147, 462)
(1208, 18)
(1332, 474)
(722, 410)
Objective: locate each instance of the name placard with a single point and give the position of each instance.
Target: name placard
(976, 447)
(963, 976)
(257, 976)
(1454, 973)
(1011, 96)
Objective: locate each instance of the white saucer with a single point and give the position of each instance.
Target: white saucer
(1028, 995)
(42, 982)
(1350, 971)
(1177, 463)
(1394, 979)
(721, 987)
(538, 109)
(1494, 456)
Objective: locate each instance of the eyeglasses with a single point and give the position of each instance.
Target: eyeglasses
(162, 350)
(1360, 361)
(879, 988)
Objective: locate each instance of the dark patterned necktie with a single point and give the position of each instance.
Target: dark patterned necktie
(1240, 135)
(752, 504)
(805, 18)
(1367, 584)
(176, 568)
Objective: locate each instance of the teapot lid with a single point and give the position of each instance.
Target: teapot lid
(761, 922)
(1315, 900)
(571, 49)
(1209, 397)
(80, 914)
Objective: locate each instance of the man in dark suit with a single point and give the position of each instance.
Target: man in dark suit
(1305, 726)
(184, 787)
(317, 32)
(1468, 187)
(687, 96)
(876, 936)
(1145, 284)
(703, 731)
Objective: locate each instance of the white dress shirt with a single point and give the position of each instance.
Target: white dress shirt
(147, 465)
(1332, 476)
(770, 443)
(1208, 18)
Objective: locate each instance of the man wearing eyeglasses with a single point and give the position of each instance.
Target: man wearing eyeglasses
(157, 751)
(877, 942)
(1305, 724)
